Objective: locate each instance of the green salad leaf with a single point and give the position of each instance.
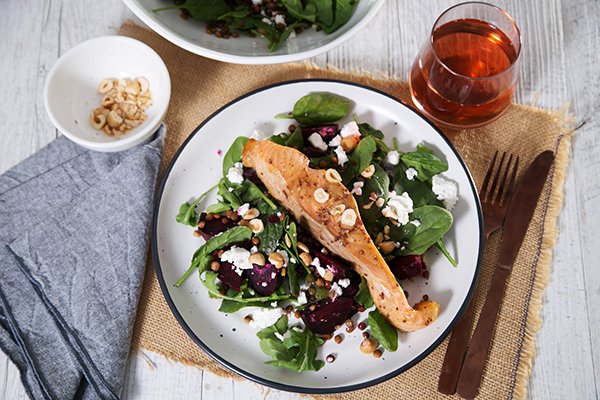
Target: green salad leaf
(363, 296)
(187, 212)
(343, 13)
(201, 10)
(270, 235)
(234, 154)
(425, 162)
(434, 223)
(383, 331)
(320, 108)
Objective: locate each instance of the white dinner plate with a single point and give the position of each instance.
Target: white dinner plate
(191, 35)
(197, 166)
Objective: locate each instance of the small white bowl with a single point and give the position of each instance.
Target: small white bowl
(70, 93)
(191, 35)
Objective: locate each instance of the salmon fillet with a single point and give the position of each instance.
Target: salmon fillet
(286, 174)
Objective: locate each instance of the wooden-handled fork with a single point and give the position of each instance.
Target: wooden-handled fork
(496, 192)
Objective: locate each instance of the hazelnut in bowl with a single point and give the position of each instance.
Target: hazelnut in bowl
(108, 94)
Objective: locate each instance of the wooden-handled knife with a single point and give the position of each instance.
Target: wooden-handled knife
(519, 215)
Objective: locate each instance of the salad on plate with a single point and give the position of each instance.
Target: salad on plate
(317, 224)
(275, 20)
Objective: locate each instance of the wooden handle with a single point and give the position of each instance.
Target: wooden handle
(455, 353)
(472, 369)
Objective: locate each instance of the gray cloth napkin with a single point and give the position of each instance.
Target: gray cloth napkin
(74, 234)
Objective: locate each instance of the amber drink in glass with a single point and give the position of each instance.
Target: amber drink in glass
(465, 74)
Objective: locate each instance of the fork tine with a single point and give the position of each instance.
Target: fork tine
(511, 183)
(488, 175)
(500, 196)
(496, 178)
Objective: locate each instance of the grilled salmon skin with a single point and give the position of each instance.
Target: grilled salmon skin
(324, 205)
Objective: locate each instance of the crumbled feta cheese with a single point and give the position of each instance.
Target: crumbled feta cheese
(302, 298)
(263, 284)
(398, 207)
(336, 141)
(336, 289)
(279, 19)
(341, 155)
(263, 318)
(286, 259)
(238, 257)
(317, 141)
(411, 173)
(243, 209)
(253, 249)
(236, 173)
(293, 260)
(392, 158)
(256, 2)
(258, 135)
(350, 129)
(416, 222)
(273, 304)
(317, 264)
(445, 189)
(267, 20)
(344, 282)
(304, 286)
(357, 188)
(292, 35)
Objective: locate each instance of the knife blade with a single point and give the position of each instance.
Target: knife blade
(520, 213)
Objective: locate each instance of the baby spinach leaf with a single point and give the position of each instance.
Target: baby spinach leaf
(366, 129)
(251, 192)
(187, 212)
(435, 222)
(321, 108)
(363, 154)
(383, 331)
(324, 10)
(218, 207)
(420, 192)
(230, 306)
(276, 349)
(296, 10)
(363, 296)
(379, 184)
(234, 154)
(343, 13)
(295, 140)
(202, 256)
(201, 10)
(425, 162)
(270, 236)
(229, 196)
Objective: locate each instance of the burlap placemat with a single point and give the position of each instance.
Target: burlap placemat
(200, 86)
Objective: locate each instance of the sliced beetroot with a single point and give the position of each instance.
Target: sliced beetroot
(264, 280)
(327, 132)
(250, 173)
(327, 314)
(404, 267)
(229, 277)
(214, 226)
(352, 288)
(340, 268)
(312, 151)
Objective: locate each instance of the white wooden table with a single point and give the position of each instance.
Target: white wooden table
(560, 65)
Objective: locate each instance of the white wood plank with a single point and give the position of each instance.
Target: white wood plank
(39, 31)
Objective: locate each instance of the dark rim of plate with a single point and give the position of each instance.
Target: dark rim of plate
(277, 385)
